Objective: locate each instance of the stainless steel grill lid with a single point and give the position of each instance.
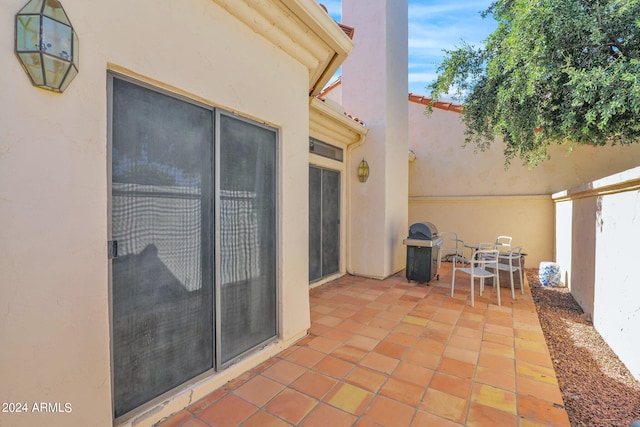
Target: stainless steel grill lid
(423, 231)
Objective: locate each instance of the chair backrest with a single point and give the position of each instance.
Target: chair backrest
(448, 235)
(514, 256)
(484, 258)
(503, 242)
(451, 243)
(459, 247)
(486, 246)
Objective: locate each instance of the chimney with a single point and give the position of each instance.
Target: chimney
(375, 88)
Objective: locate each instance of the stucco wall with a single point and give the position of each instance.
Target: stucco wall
(470, 192)
(600, 256)
(528, 219)
(445, 167)
(54, 302)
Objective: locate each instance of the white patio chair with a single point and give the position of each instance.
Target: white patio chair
(503, 243)
(483, 264)
(512, 262)
(450, 245)
(482, 246)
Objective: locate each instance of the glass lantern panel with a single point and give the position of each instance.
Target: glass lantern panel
(27, 29)
(33, 65)
(56, 38)
(73, 72)
(75, 58)
(54, 69)
(54, 9)
(34, 6)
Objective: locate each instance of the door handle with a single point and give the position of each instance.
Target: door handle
(112, 249)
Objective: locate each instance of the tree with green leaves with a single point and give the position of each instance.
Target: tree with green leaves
(553, 72)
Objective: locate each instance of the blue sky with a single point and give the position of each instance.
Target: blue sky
(435, 25)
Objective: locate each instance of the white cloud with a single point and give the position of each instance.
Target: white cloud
(418, 10)
(438, 26)
(422, 77)
(424, 43)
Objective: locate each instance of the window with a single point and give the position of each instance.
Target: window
(326, 150)
(193, 218)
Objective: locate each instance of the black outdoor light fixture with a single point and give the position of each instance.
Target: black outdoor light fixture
(363, 171)
(47, 44)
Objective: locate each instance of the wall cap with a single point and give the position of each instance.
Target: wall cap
(628, 180)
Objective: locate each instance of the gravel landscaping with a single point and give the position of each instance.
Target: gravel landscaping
(597, 388)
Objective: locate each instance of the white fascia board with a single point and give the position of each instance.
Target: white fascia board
(302, 29)
(333, 125)
(328, 30)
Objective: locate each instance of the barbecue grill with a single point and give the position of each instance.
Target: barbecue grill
(422, 252)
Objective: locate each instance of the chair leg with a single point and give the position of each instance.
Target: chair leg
(513, 293)
(521, 282)
(496, 284)
(472, 291)
(453, 279)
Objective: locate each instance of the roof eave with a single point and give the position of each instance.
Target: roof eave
(328, 30)
(302, 29)
(332, 125)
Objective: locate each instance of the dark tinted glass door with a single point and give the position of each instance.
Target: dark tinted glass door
(330, 222)
(162, 277)
(324, 222)
(248, 234)
(315, 219)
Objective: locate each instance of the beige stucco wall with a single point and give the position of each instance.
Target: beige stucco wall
(445, 168)
(54, 302)
(575, 250)
(599, 255)
(527, 219)
(472, 193)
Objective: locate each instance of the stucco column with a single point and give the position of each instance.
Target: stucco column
(375, 89)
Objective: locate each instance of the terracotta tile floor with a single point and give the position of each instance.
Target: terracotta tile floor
(394, 353)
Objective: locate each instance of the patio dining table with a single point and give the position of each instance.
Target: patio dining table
(475, 246)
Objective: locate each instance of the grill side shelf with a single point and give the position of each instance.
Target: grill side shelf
(422, 243)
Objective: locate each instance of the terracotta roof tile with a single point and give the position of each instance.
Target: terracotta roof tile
(443, 105)
(355, 119)
(334, 84)
(347, 30)
(419, 99)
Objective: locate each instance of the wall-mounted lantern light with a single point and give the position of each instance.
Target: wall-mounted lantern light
(363, 171)
(46, 44)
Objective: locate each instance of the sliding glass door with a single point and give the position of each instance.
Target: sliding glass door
(324, 222)
(247, 235)
(181, 307)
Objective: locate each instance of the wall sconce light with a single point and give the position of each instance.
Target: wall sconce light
(363, 171)
(47, 44)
